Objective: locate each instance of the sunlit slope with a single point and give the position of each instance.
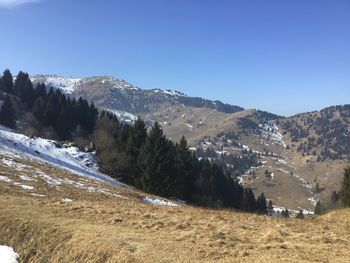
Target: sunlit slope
(49, 214)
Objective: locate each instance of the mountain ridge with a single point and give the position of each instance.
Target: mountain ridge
(294, 158)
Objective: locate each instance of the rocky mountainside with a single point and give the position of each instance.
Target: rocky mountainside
(294, 160)
(119, 95)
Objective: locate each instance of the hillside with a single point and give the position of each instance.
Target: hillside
(53, 212)
(118, 95)
(295, 155)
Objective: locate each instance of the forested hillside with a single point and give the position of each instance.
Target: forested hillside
(128, 152)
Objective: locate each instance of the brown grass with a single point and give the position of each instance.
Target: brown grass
(97, 227)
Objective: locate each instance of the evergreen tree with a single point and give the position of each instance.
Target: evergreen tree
(270, 206)
(184, 168)
(300, 215)
(28, 95)
(250, 204)
(7, 82)
(62, 125)
(345, 188)
(20, 84)
(318, 208)
(137, 137)
(334, 197)
(261, 204)
(155, 162)
(7, 114)
(52, 109)
(40, 91)
(39, 108)
(285, 213)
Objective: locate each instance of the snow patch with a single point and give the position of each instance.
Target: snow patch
(270, 131)
(38, 195)
(66, 200)
(8, 255)
(67, 85)
(62, 156)
(155, 201)
(189, 126)
(124, 116)
(5, 179)
(23, 186)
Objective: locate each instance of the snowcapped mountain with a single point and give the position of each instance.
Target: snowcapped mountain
(118, 95)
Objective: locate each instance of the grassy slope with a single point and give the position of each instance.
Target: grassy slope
(98, 227)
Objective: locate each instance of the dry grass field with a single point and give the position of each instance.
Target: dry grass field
(77, 219)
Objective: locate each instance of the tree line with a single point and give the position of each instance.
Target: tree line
(65, 116)
(157, 165)
(145, 159)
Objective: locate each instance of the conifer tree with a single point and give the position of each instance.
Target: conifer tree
(52, 109)
(39, 108)
(155, 162)
(261, 204)
(7, 82)
(318, 208)
(300, 215)
(28, 95)
(270, 206)
(135, 141)
(345, 188)
(285, 213)
(20, 84)
(250, 204)
(40, 91)
(137, 137)
(184, 168)
(7, 114)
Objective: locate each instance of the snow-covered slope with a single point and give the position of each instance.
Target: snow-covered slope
(8, 255)
(67, 85)
(124, 116)
(64, 156)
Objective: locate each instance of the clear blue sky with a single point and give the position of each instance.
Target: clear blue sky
(281, 56)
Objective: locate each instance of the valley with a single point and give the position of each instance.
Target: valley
(222, 128)
(55, 214)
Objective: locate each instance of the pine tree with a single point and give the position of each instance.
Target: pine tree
(137, 137)
(135, 141)
(52, 109)
(250, 204)
(261, 204)
(334, 197)
(40, 91)
(28, 95)
(300, 215)
(345, 188)
(270, 206)
(7, 82)
(155, 162)
(318, 208)
(39, 110)
(20, 84)
(62, 126)
(285, 213)
(7, 114)
(184, 168)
